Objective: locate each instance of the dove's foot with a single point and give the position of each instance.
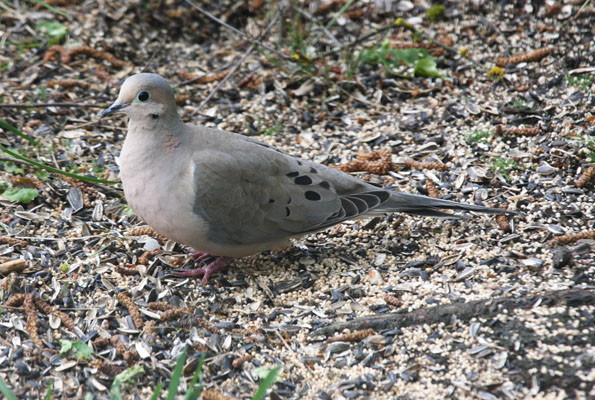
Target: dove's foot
(219, 264)
(200, 256)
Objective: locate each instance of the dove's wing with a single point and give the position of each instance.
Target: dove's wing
(248, 192)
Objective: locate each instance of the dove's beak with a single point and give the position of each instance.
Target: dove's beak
(114, 108)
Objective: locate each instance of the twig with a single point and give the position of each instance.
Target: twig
(398, 23)
(357, 41)
(320, 26)
(33, 105)
(239, 32)
(580, 10)
(153, 55)
(234, 68)
(14, 160)
(115, 192)
(463, 311)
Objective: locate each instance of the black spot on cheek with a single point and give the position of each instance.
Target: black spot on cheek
(310, 195)
(287, 211)
(303, 180)
(325, 185)
(154, 116)
(292, 174)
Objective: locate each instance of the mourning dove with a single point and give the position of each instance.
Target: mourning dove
(227, 195)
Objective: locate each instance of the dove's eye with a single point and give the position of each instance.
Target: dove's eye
(143, 96)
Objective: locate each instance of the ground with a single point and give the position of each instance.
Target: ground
(392, 307)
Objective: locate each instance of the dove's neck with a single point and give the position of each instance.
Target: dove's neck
(150, 143)
(147, 137)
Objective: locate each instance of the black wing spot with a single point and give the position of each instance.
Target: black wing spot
(287, 211)
(299, 162)
(289, 201)
(311, 195)
(313, 170)
(303, 180)
(325, 185)
(292, 174)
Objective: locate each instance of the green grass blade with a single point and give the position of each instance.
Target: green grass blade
(339, 13)
(157, 391)
(8, 127)
(55, 170)
(266, 383)
(193, 392)
(5, 390)
(172, 389)
(53, 9)
(48, 393)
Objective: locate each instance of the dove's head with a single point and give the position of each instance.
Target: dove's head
(145, 96)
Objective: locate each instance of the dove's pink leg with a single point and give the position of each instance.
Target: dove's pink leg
(220, 264)
(199, 256)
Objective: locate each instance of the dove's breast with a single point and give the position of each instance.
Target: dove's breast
(166, 201)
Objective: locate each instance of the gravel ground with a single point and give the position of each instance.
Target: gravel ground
(394, 307)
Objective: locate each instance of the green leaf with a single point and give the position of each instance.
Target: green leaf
(426, 67)
(127, 211)
(22, 195)
(66, 346)
(14, 169)
(172, 389)
(5, 390)
(41, 174)
(269, 378)
(422, 62)
(52, 29)
(125, 376)
(81, 350)
(434, 13)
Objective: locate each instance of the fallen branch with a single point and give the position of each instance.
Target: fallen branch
(461, 311)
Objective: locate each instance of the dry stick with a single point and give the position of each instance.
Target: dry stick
(239, 32)
(235, 67)
(356, 41)
(320, 26)
(462, 311)
(32, 105)
(383, 29)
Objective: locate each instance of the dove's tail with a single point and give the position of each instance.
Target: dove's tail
(429, 207)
